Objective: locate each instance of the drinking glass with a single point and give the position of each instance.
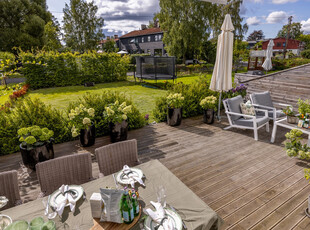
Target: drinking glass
(161, 195)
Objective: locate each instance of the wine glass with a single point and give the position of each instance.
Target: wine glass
(161, 195)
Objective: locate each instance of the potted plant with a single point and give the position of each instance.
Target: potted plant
(293, 146)
(175, 104)
(36, 145)
(209, 107)
(82, 125)
(116, 114)
(290, 115)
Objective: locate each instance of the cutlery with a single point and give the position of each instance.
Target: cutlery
(161, 223)
(173, 209)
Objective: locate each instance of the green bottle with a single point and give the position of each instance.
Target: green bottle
(127, 209)
(135, 204)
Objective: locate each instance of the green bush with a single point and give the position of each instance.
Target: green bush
(28, 112)
(281, 64)
(7, 55)
(100, 101)
(53, 69)
(306, 54)
(193, 94)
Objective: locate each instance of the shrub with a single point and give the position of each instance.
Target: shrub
(293, 146)
(99, 101)
(175, 101)
(29, 112)
(34, 136)
(306, 54)
(52, 69)
(6, 55)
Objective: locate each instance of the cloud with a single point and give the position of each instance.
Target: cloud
(276, 17)
(122, 16)
(283, 1)
(305, 26)
(254, 21)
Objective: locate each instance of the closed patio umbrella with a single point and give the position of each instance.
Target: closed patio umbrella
(221, 77)
(267, 65)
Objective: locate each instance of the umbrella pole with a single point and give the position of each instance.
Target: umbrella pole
(219, 107)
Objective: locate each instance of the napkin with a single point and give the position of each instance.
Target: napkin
(68, 199)
(132, 178)
(159, 215)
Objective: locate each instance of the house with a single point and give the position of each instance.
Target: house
(146, 40)
(102, 42)
(279, 43)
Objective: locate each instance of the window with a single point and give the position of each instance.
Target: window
(149, 38)
(142, 39)
(278, 44)
(132, 40)
(156, 38)
(283, 44)
(160, 37)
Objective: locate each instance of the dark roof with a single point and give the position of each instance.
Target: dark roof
(136, 33)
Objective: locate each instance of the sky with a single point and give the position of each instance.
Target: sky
(123, 16)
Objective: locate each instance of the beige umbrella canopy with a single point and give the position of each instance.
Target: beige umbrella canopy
(267, 65)
(221, 77)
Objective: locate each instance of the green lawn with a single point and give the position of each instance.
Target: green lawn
(4, 98)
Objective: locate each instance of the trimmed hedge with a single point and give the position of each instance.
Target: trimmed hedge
(306, 54)
(53, 69)
(28, 112)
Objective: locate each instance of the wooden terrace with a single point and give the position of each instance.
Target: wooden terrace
(250, 184)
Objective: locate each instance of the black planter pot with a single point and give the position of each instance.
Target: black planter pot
(208, 116)
(118, 131)
(174, 116)
(88, 136)
(38, 154)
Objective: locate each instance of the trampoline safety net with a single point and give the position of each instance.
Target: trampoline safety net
(155, 68)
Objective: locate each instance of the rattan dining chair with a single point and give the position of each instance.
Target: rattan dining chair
(9, 188)
(111, 158)
(73, 169)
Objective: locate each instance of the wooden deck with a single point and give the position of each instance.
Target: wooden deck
(250, 184)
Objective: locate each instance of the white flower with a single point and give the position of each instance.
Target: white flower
(124, 117)
(75, 134)
(127, 109)
(86, 121)
(71, 116)
(91, 112)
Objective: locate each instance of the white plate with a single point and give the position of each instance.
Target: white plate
(149, 224)
(5, 221)
(124, 179)
(56, 197)
(3, 201)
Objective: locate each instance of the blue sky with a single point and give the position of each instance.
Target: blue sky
(122, 16)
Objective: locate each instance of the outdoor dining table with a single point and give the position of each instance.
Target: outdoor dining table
(195, 213)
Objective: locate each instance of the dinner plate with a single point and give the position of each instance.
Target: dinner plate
(5, 221)
(3, 201)
(149, 224)
(57, 197)
(124, 179)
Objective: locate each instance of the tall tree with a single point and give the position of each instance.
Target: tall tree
(82, 28)
(22, 23)
(256, 35)
(295, 31)
(110, 46)
(52, 35)
(305, 38)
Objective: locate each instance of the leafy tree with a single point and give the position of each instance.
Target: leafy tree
(82, 28)
(51, 36)
(256, 35)
(208, 51)
(305, 38)
(110, 46)
(295, 31)
(22, 24)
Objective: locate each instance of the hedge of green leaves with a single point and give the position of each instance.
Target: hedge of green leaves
(306, 54)
(53, 69)
(28, 112)
(193, 94)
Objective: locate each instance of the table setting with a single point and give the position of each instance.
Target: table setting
(152, 193)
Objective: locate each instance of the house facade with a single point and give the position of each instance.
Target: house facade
(143, 41)
(279, 43)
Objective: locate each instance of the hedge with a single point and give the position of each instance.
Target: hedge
(306, 54)
(28, 112)
(53, 69)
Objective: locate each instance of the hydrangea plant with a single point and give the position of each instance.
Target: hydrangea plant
(80, 118)
(175, 101)
(116, 112)
(208, 102)
(34, 136)
(294, 148)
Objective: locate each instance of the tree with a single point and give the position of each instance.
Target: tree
(295, 31)
(82, 28)
(208, 51)
(110, 46)
(51, 36)
(256, 35)
(22, 24)
(305, 38)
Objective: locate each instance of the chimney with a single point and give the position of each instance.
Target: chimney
(143, 26)
(115, 36)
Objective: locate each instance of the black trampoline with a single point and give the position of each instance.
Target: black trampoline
(155, 68)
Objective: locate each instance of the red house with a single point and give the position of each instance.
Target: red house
(279, 44)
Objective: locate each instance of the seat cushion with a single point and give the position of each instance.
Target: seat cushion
(262, 99)
(249, 122)
(234, 106)
(278, 112)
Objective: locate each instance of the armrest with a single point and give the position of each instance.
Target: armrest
(263, 110)
(282, 104)
(263, 106)
(241, 114)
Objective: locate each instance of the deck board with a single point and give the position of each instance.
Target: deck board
(250, 184)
